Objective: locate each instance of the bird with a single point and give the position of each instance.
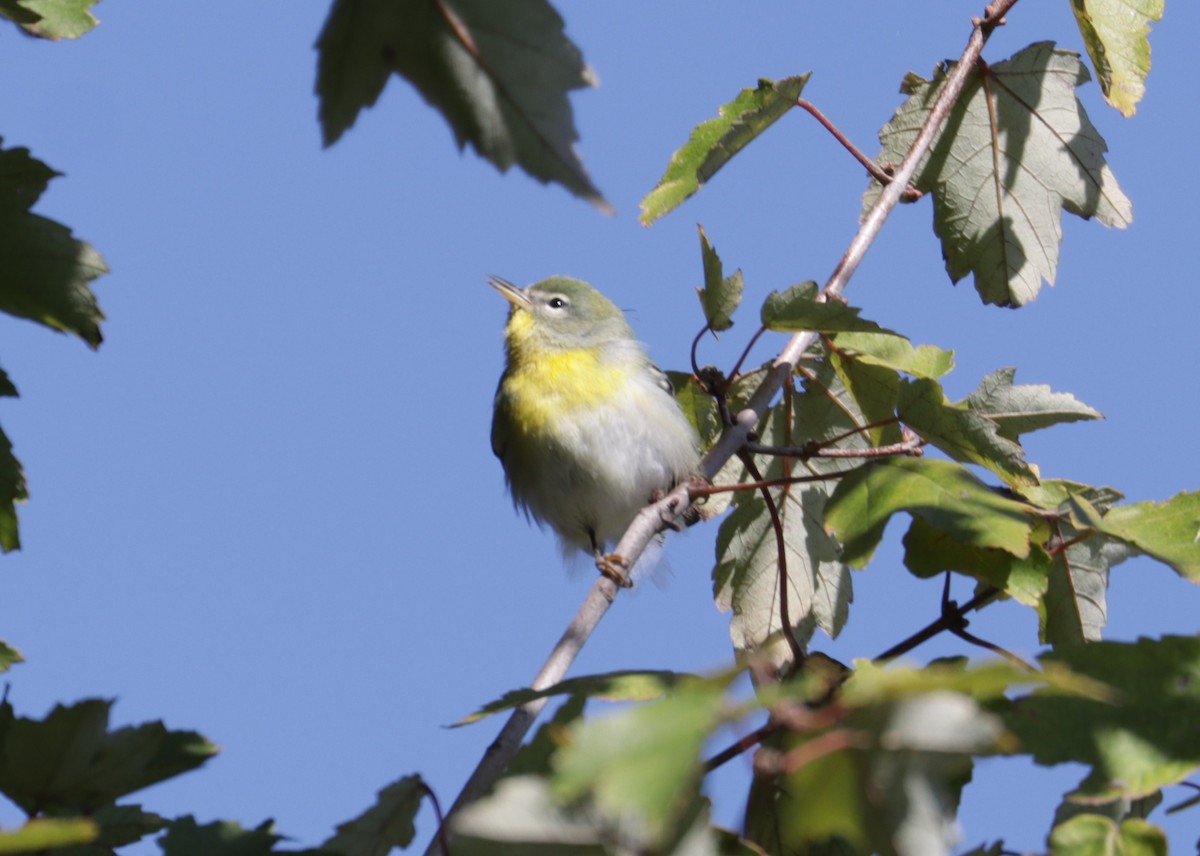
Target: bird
(586, 427)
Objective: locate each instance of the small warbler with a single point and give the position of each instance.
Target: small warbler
(585, 425)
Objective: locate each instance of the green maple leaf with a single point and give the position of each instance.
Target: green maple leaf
(1016, 149)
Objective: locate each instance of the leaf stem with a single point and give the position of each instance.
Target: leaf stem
(883, 176)
(785, 621)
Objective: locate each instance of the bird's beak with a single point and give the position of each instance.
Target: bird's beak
(513, 294)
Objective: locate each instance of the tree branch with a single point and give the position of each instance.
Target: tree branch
(651, 520)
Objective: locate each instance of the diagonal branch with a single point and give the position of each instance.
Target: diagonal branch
(652, 519)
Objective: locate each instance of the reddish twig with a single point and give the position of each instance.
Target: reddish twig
(781, 549)
(883, 176)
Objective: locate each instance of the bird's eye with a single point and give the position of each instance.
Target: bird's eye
(556, 303)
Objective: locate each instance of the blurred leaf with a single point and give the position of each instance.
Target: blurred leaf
(962, 434)
(872, 683)
(797, 308)
(641, 767)
(521, 816)
(947, 496)
(124, 824)
(9, 656)
(1115, 33)
(1119, 809)
(386, 825)
(41, 834)
(897, 791)
(51, 19)
(631, 685)
(1017, 410)
(7, 389)
(1093, 835)
(1143, 740)
(1016, 148)
(12, 491)
(535, 756)
(44, 271)
(894, 351)
(498, 72)
(819, 803)
(713, 143)
(185, 837)
(1169, 531)
(721, 294)
(71, 761)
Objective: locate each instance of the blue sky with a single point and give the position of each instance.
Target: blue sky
(267, 510)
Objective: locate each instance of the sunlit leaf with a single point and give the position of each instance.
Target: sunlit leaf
(472, 60)
(714, 142)
(962, 434)
(929, 551)
(1169, 531)
(874, 389)
(947, 496)
(721, 294)
(697, 405)
(1115, 33)
(51, 19)
(746, 578)
(894, 351)
(797, 308)
(1016, 148)
(1017, 410)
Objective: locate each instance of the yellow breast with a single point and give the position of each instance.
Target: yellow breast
(545, 384)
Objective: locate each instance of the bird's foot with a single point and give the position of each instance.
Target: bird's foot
(615, 568)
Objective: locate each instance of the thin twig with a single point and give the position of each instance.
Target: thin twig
(877, 172)
(698, 491)
(785, 621)
(957, 625)
(911, 446)
(442, 837)
(737, 368)
(939, 626)
(695, 345)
